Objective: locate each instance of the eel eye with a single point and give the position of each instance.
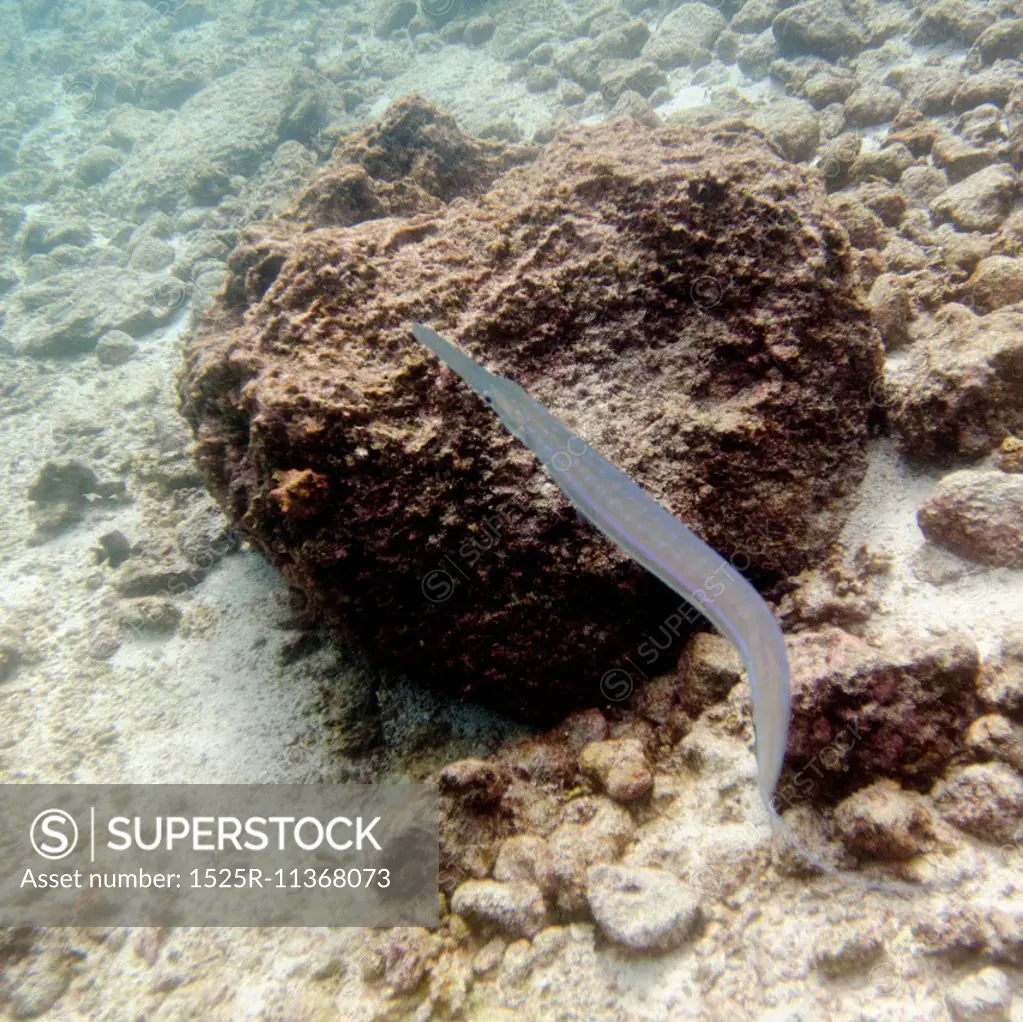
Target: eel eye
(488, 398)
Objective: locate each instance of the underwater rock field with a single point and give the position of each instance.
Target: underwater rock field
(766, 257)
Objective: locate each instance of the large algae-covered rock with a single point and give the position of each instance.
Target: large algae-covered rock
(680, 298)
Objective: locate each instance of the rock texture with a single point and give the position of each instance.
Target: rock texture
(961, 389)
(861, 713)
(678, 297)
(977, 515)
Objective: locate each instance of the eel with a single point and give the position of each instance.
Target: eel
(629, 517)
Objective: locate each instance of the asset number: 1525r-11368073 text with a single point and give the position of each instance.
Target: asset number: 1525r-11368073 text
(252, 878)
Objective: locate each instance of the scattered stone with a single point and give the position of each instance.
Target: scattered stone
(887, 202)
(986, 996)
(1010, 454)
(756, 58)
(792, 126)
(829, 86)
(980, 202)
(526, 857)
(993, 85)
(842, 951)
(479, 30)
(958, 157)
(873, 104)
(477, 782)
(489, 956)
(393, 15)
(865, 228)
(860, 713)
(922, 184)
(708, 670)
(889, 162)
(10, 657)
(115, 348)
(931, 90)
(959, 20)
(631, 104)
(516, 907)
(974, 931)
(579, 60)
(151, 255)
(884, 822)
(892, 309)
(620, 767)
(43, 234)
(642, 908)
(904, 256)
(985, 800)
(960, 391)
(819, 27)
(594, 830)
(158, 576)
(996, 737)
(506, 129)
(996, 281)
(683, 33)
(978, 515)
(68, 313)
(150, 616)
(97, 164)
(1000, 685)
(756, 15)
(1004, 39)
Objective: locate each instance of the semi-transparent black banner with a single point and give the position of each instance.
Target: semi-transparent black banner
(219, 855)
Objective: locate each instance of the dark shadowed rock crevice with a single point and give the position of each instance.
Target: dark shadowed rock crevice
(678, 297)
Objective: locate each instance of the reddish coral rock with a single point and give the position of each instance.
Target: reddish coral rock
(861, 712)
(679, 297)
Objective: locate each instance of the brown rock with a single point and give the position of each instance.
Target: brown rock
(708, 670)
(978, 515)
(694, 318)
(997, 281)
(526, 857)
(992, 85)
(922, 184)
(984, 799)
(1010, 454)
(996, 737)
(620, 767)
(1000, 685)
(958, 158)
(594, 830)
(890, 303)
(1003, 40)
(860, 714)
(865, 228)
(981, 201)
(884, 822)
(516, 908)
(872, 104)
(961, 389)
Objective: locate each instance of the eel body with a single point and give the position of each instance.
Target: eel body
(652, 537)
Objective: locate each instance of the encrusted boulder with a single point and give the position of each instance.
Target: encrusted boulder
(680, 298)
